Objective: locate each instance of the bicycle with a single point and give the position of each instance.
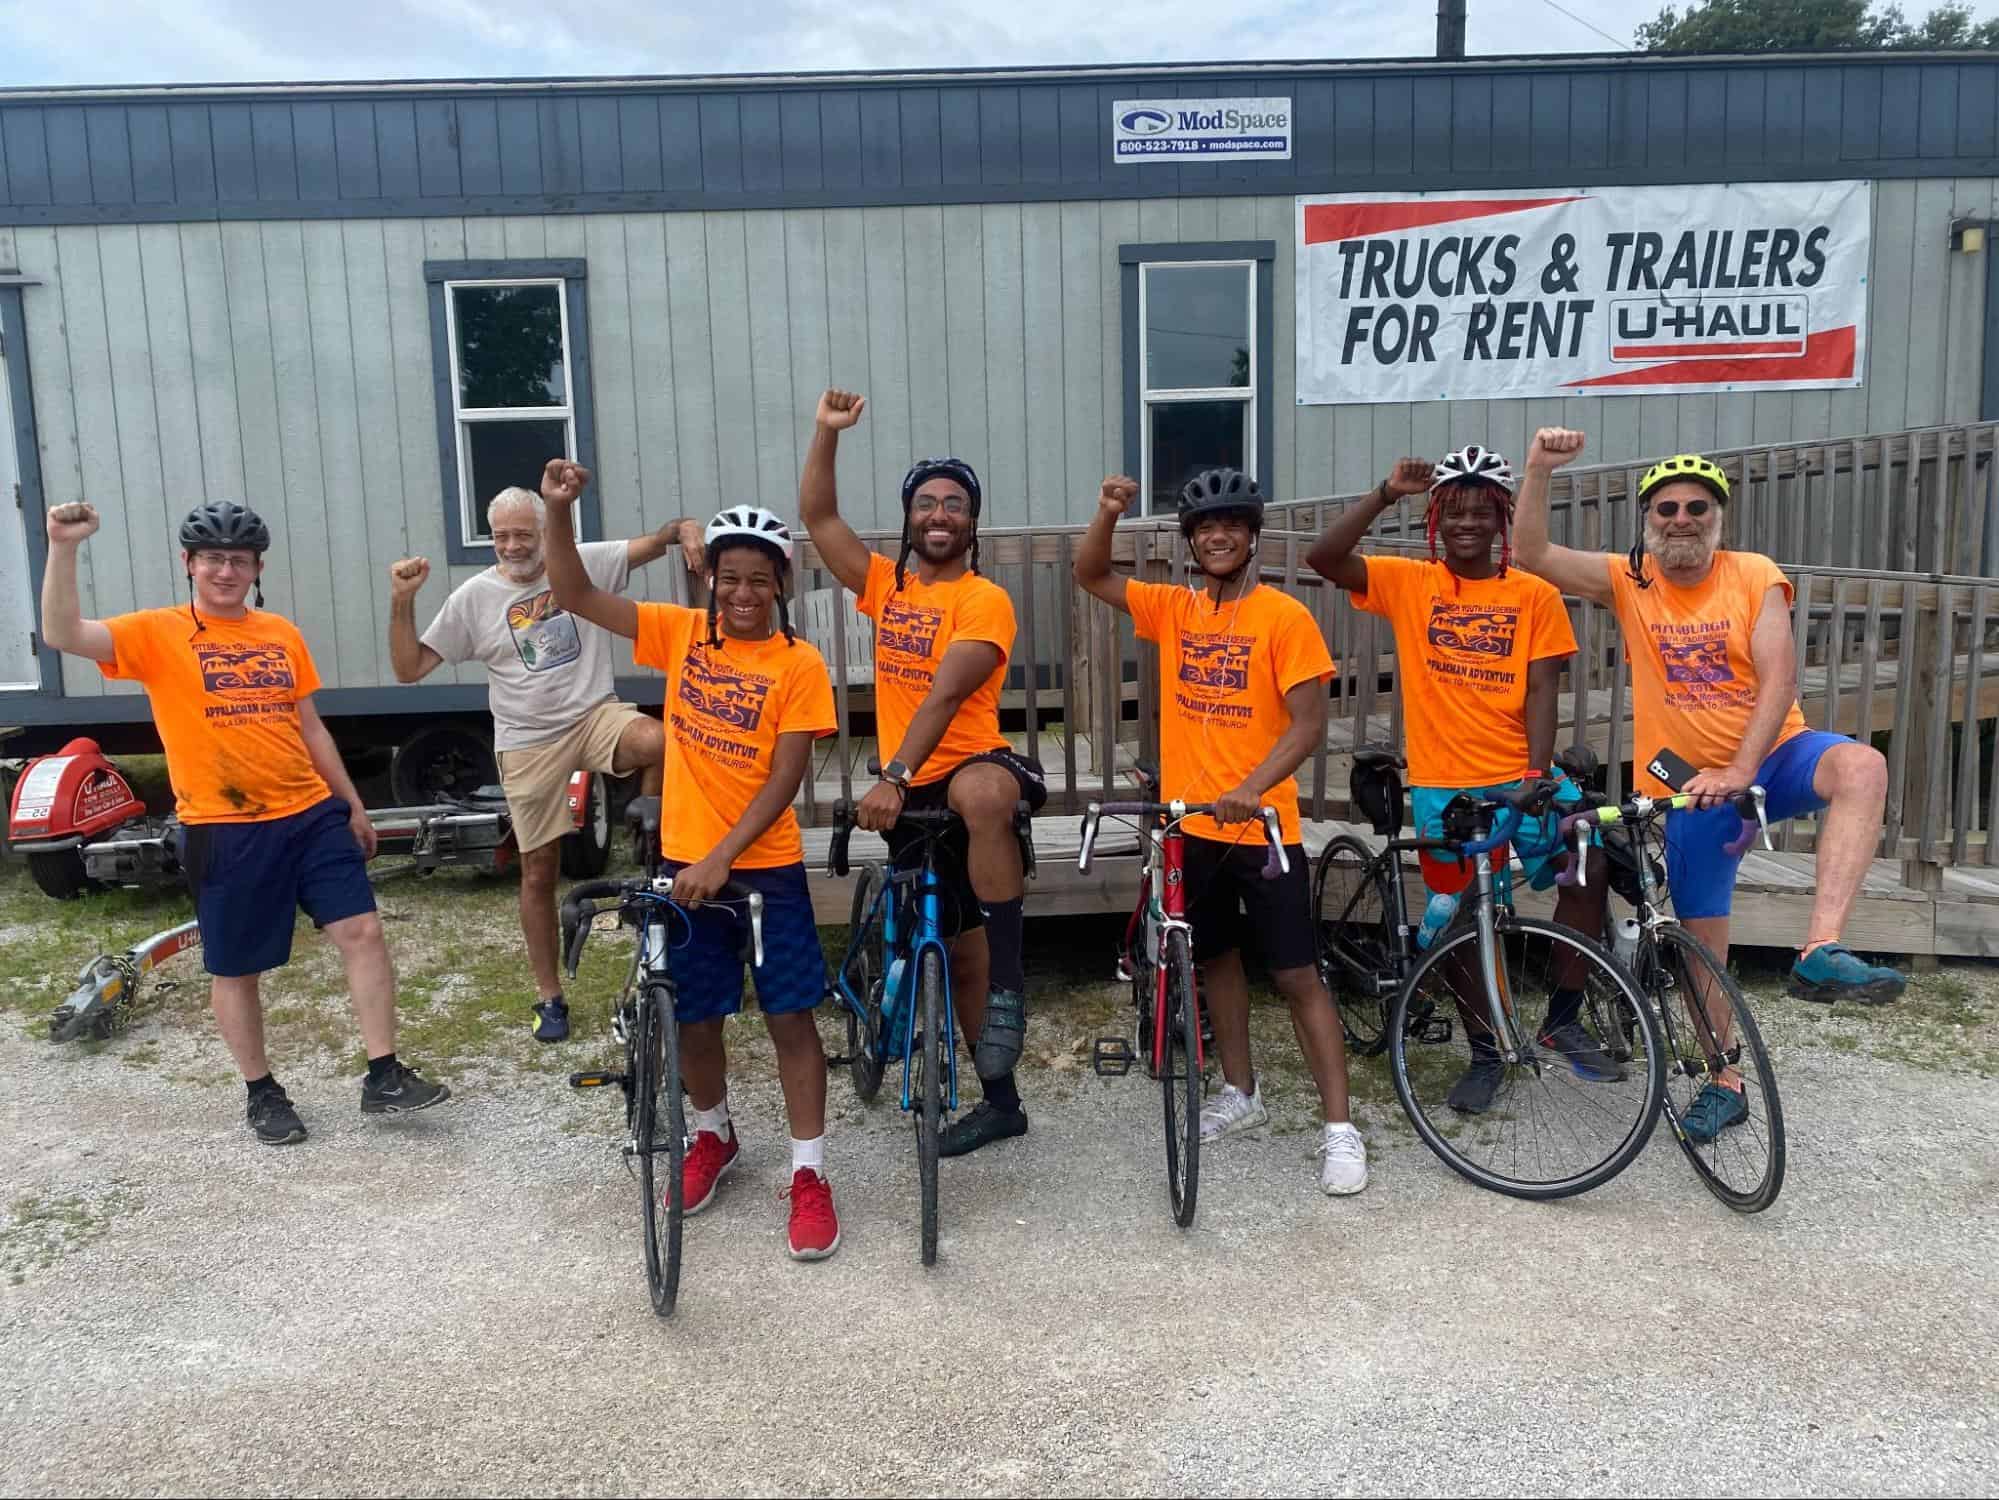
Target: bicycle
(644, 1023)
(1743, 1163)
(894, 984)
(1549, 1131)
(1156, 958)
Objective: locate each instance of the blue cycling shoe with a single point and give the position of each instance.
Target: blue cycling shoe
(1831, 973)
(1714, 1109)
(551, 1020)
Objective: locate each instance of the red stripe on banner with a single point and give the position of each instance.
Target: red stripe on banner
(1712, 351)
(1827, 356)
(1327, 222)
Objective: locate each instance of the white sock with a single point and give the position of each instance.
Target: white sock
(810, 1153)
(714, 1120)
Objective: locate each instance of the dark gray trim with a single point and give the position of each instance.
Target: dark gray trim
(28, 454)
(1264, 253)
(1988, 389)
(575, 276)
(419, 699)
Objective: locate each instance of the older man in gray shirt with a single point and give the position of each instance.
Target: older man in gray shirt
(549, 688)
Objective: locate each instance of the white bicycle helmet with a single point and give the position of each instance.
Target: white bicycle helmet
(750, 523)
(1474, 462)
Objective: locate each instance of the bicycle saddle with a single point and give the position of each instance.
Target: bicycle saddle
(642, 817)
(1378, 759)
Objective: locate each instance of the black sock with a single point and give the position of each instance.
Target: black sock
(1564, 1006)
(381, 1067)
(1003, 940)
(265, 1085)
(1001, 1093)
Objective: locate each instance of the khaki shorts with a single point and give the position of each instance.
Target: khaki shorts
(536, 779)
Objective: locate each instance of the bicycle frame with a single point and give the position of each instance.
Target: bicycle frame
(1162, 899)
(910, 896)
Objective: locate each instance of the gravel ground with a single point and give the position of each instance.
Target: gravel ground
(454, 1304)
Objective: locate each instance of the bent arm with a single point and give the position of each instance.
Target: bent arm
(788, 762)
(1092, 567)
(1775, 654)
(1333, 557)
(650, 548)
(1544, 687)
(1307, 702)
(410, 658)
(1584, 574)
(964, 667)
(571, 584)
(819, 508)
(63, 624)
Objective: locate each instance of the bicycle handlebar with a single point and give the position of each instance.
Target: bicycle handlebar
(578, 912)
(1748, 807)
(1276, 862)
(939, 820)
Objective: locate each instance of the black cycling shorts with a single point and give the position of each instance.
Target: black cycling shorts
(1228, 900)
(958, 908)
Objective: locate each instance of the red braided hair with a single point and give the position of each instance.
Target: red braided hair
(1457, 488)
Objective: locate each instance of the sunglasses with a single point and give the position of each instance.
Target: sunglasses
(1665, 510)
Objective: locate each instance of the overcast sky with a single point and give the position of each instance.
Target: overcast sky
(182, 41)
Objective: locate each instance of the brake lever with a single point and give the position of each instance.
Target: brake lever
(574, 939)
(1277, 862)
(1746, 835)
(1091, 816)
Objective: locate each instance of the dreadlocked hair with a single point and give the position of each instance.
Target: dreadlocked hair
(783, 578)
(1456, 489)
(909, 545)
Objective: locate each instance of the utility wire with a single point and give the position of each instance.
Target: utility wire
(1590, 26)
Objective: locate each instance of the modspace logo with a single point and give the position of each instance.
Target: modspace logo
(1200, 129)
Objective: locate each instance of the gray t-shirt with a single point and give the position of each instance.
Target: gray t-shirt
(545, 668)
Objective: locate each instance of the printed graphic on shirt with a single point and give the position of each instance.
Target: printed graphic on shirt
(251, 680)
(545, 636)
(1214, 671)
(724, 693)
(1471, 645)
(908, 628)
(1695, 659)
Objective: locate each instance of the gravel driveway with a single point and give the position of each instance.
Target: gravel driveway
(454, 1304)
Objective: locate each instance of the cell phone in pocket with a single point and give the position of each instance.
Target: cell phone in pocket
(1673, 769)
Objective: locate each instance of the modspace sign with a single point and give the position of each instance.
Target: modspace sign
(1464, 296)
(1201, 130)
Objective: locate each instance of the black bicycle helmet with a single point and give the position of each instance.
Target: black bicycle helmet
(954, 469)
(224, 523)
(1215, 492)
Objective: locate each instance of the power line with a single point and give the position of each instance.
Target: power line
(1590, 26)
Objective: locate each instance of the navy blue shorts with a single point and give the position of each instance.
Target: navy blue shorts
(1700, 876)
(706, 956)
(247, 880)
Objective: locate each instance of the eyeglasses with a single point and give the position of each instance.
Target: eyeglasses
(226, 562)
(1665, 510)
(951, 505)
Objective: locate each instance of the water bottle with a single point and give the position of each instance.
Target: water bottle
(1624, 940)
(1436, 917)
(895, 1000)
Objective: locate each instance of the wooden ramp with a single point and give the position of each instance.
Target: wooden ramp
(1772, 899)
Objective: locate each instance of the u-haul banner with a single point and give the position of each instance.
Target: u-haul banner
(1463, 296)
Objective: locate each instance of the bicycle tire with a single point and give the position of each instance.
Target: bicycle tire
(656, 1083)
(1743, 1166)
(1352, 907)
(1537, 1085)
(930, 1064)
(1180, 1080)
(865, 970)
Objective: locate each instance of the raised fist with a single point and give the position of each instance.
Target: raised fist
(1117, 495)
(73, 522)
(1411, 476)
(562, 480)
(1553, 447)
(839, 410)
(407, 578)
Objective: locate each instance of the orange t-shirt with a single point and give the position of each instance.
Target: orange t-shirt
(725, 708)
(1462, 647)
(1693, 681)
(225, 700)
(1223, 674)
(914, 627)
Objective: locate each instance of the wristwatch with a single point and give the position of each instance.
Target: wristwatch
(897, 775)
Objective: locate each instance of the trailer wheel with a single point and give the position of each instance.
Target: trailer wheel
(586, 852)
(59, 873)
(441, 760)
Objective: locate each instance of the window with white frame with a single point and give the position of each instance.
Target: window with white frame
(1199, 368)
(512, 388)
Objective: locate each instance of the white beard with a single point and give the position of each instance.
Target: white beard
(520, 572)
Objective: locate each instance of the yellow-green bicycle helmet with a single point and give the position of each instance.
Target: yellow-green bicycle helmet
(1680, 466)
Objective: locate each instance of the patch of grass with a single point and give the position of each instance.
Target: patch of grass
(40, 1229)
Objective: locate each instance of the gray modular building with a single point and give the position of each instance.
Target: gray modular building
(364, 307)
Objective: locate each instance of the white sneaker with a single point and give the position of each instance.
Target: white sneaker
(1232, 1110)
(1343, 1161)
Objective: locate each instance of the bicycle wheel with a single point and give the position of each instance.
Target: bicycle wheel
(1180, 1079)
(864, 968)
(928, 1092)
(1357, 938)
(1743, 1165)
(660, 1135)
(1546, 1130)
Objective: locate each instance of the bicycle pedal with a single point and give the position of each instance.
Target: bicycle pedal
(596, 1080)
(1436, 1033)
(1112, 1057)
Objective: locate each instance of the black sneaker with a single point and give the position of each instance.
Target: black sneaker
(551, 1020)
(272, 1118)
(981, 1127)
(1580, 1051)
(400, 1093)
(1473, 1094)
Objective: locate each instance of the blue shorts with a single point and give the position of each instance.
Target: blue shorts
(1700, 876)
(1537, 843)
(247, 880)
(706, 956)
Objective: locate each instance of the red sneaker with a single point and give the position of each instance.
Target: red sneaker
(815, 1228)
(708, 1162)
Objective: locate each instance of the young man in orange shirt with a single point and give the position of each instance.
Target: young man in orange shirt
(1242, 678)
(1479, 647)
(744, 703)
(270, 821)
(942, 637)
(1714, 678)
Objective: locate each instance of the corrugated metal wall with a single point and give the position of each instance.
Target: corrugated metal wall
(290, 362)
